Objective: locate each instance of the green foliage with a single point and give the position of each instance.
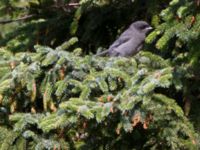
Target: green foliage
(177, 37)
(57, 96)
(98, 102)
(40, 28)
(96, 23)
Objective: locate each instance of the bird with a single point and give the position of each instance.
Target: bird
(130, 41)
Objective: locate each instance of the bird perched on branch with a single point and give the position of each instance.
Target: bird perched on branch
(130, 41)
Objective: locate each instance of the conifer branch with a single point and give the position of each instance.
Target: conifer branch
(16, 20)
(65, 7)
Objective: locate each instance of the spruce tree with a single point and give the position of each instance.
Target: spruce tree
(55, 94)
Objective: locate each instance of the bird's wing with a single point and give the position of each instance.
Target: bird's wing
(128, 48)
(118, 42)
(122, 39)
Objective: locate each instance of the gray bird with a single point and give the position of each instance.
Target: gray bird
(130, 41)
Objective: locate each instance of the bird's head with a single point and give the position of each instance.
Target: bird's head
(142, 26)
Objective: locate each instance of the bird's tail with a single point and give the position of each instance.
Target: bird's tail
(102, 53)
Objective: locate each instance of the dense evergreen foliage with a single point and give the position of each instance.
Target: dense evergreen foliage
(55, 94)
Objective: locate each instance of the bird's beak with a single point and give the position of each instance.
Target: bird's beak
(149, 28)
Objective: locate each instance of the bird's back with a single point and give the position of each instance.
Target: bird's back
(127, 44)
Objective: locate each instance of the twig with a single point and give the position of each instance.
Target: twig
(73, 4)
(66, 5)
(15, 20)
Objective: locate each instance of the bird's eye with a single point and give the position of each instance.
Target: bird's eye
(144, 26)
